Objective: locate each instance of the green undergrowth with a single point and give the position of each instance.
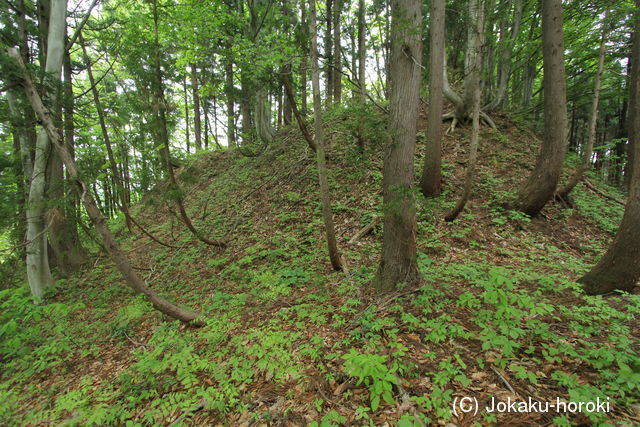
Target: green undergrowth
(287, 340)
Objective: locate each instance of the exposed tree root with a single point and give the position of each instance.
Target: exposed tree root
(484, 118)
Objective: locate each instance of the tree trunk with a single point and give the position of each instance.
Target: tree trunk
(325, 197)
(477, 40)
(619, 267)
(593, 119)
(245, 108)
(264, 130)
(632, 148)
(541, 184)
(38, 271)
(229, 93)
(430, 182)
(186, 113)
(121, 261)
(302, 124)
(362, 64)
(398, 263)
(328, 51)
(197, 127)
(287, 107)
(337, 53)
(304, 60)
(64, 241)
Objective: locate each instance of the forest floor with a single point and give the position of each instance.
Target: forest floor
(288, 341)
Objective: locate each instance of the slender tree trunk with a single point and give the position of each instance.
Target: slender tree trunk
(25, 136)
(541, 184)
(619, 267)
(328, 51)
(337, 53)
(113, 164)
(325, 197)
(230, 95)
(304, 61)
(362, 63)
(593, 119)
(430, 182)
(477, 40)
(186, 112)
(197, 126)
(398, 263)
(121, 261)
(287, 108)
(205, 114)
(288, 88)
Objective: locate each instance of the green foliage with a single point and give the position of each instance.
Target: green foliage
(372, 371)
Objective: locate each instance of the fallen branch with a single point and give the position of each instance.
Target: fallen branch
(365, 230)
(593, 188)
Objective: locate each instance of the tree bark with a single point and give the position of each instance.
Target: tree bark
(186, 113)
(619, 268)
(541, 184)
(398, 263)
(197, 126)
(430, 182)
(328, 51)
(362, 63)
(632, 148)
(593, 119)
(264, 129)
(337, 53)
(304, 60)
(121, 261)
(325, 197)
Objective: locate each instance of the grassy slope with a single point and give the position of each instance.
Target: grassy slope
(292, 342)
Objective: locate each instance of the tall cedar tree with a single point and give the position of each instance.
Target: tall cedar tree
(398, 263)
(430, 182)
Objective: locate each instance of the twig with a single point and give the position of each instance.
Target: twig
(503, 380)
(134, 342)
(195, 408)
